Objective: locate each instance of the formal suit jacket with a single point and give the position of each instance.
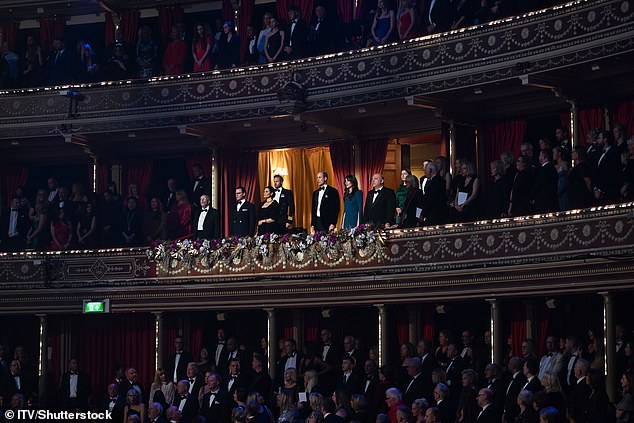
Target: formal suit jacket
(534, 385)
(520, 193)
(414, 389)
(199, 381)
(322, 37)
(211, 225)
(297, 39)
(568, 381)
(61, 67)
(245, 363)
(438, 13)
(239, 382)
(359, 358)
(125, 385)
(222, 359)
(351, 386)
(544, 191)
(528, 416)
(333, 418)
(607, 177)
(435, 202)
(369, 391)
(216, 411)
(428, 365)
(261, 383)
(190, 409)
(83, 390)
(181, 370)
(499, 393)
(203, 187)
(242, 222)
(578, 401)
(511, 409)
(329, 209)
(27, 386)
(328, 379)
(454, 377)
(117, 411)
(488, 415)
(447, 413)
(21, 226)
(382, 209)
(287, 207)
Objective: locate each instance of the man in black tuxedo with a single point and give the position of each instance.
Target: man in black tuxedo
(206, 220)
(435, 198)
(443, 404)
(454, 373)
(530, 370)
(60, 64)
(572, 354)
(511, 409)
(427, 365)
(201, 185)
(328, 409)
(15, 226)
(330, 356)
(114, 403)
(322, 33)
(325, 208)
(292, 360)
(235, 379)
(170, 196)
(196, 381)
(350, 349)
(369, 386)
(416, 385)
(220, 352)
(252, 55)
(606, 180)
(4, 364)
(186, 402)
(437, 16)
(495, 384)
(214, 403)
(234, 352)
(488, 413)
(520, 199)
(18, 382)
(241, 215)
(544, 191)
(177, 367)
(155, 413)
(380, 204)
(579, 398)
(260, 379)
(75, 388)
(286, 200)
(296, 40)
(130, 382)
(349, 382)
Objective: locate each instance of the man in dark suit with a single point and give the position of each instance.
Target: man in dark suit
(606, 181)
(349, 382)
(15, 226)
(196, 381)
(520, 201)
(416, 385)
(544, 191)
(437, 16)
(177, 363)
(435, 198)
(454, 373)
(18, 381)
(488, 413)
(511, 409)
(443, 404)
(380, 204)
(130, 382)
(325, 208)
(295, 42)
(350, 349)
(170, 195)
(495, 384)
(241, 215)
(114, 403)
(330, 356)
(531, 368)
(369, 386)
(75, 388)
(292, 359)
(185, 402)
(214, 403)
(234, 352)
(206, 220)
(328, 409)
(201, 185)
(60, 64)
(427, 365)
(235, 379)
(322, 33)
(572, 354)
(579, 398)
(155, 413)
(220, 352)
(286, 200)
(260, 380)
(252, 55)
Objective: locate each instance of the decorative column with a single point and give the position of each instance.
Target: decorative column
(383, 334)
(452, 147)
(608, 343)
(496, 350)
(272, 339)
(158, 337)
(43, 361)
(215, 182)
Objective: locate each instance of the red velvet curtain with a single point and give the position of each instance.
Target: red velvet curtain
(203, 159)
(281, 7)
(402, 325)
(103, 176)
(287, 325)
(503, 136)
(100, 342)
(518, 327)
(246, 19)
(543, 327)
(344, 9)
(130, 25)
(306, 8)
(168, 17)
(9, 33)
(623, 113)
(56, 363)
(359, 14)
(591, 117)
(109, 29)
(342, 158)
(197, 325)
(171, 329)
(50, 29)
(311, 326)
(12, 177)
(421, 7)
(236, 169)
(429, 328)
(139, 172)
(372, 159)
(227, 11)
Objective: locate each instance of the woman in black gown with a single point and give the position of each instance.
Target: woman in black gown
(269, 213)
(274, 42)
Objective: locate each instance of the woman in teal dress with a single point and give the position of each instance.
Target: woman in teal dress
(401, 194)
(352, 203)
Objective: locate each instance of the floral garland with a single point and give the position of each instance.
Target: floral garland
(268, 248)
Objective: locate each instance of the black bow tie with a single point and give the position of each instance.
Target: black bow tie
(179, 352)
(323, 188)
(73, 373)
(370, 378)
(234, 376)
(221, 342)
(279, 190)
(204, 210)
(292, 355)
(183, 397)
(113, 399)
(549, 355)
(191, 380)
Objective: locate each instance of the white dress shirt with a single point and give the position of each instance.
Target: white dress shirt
(320, 195)
(201, 218)
(73, 385)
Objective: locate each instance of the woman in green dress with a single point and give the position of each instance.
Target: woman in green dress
(401, 194)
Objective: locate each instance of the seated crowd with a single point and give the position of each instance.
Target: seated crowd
(603, 173)
(452, 381)
(203, 48)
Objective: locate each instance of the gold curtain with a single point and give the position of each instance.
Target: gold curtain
(299, 166)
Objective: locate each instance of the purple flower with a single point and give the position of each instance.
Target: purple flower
(332, 238)
(362, 227)
(317, 236)
(285, 238)
(214, 244)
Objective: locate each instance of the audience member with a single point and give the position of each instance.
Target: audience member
(201, 49)
(229, 47)
(146, 53)
(274, 41)
(175, 54)
(268, 213)
(383, 25)
(295, 43)
(325, 205)
(352, 203)
(242, 215)
(380, 204)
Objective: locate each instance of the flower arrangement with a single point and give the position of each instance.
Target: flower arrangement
(266, 249)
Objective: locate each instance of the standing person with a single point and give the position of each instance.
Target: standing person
(175, 54)
(201, 49)
(269, 213)
(177, 363)
(544, 191)
(499, 195)
(33, 63)
(352, 203)
(406, 18)
(229, 48)
(201, 185)
(146, 53)
(295, 44)
(467, 197)
(383, 24)
(241, 215)
(261, 43)
(274, 41)
(206, 220)
(286, 200)
(75, 387)
(412, 208)
(325, 205)
(179, 218)
(401, 194)
(380, 204)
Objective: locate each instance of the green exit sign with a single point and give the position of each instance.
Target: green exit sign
(91, 306)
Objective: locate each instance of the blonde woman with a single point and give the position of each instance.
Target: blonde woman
(165, 386)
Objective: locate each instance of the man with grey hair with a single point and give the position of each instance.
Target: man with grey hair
(433, 415)
(435, 197)
(174, 415)
(415, 387)
(154, 413)
(185, 402)
(511, 409)
(488, 413)
(380, 204)
(350, 350)
(579, 398)
(441, 395)
(525, 402)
